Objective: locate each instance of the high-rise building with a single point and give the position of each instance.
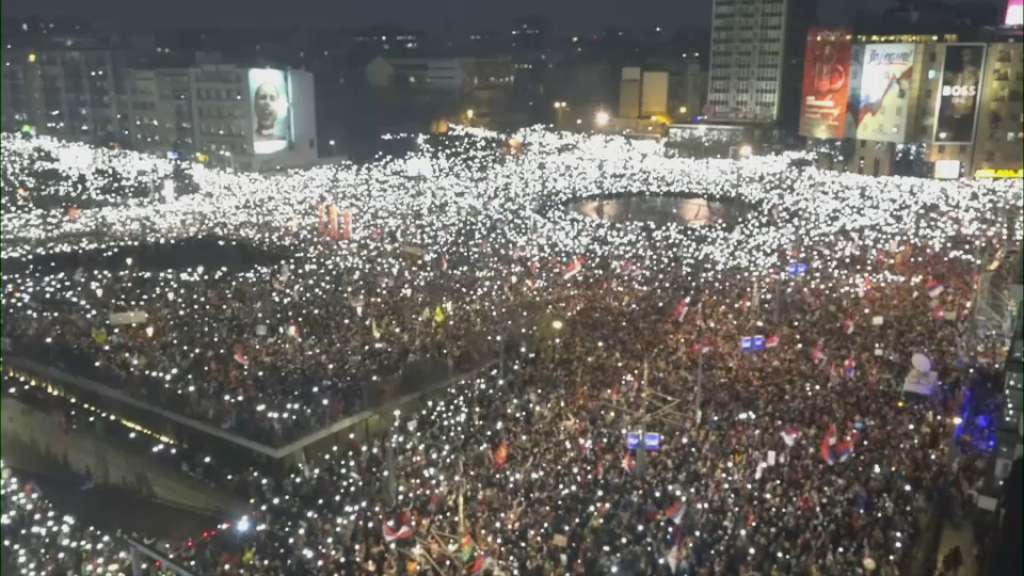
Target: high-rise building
(753, 57)
(69, 93)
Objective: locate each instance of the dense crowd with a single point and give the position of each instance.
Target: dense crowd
(39, 540)
(804, 457)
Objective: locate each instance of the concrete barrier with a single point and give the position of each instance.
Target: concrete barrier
(34, 440)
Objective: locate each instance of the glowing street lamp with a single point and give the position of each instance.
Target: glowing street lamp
(560, 107)
(601, 118)
(557, 325)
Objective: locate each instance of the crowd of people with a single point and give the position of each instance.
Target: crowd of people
(801, 454)
(40, 540)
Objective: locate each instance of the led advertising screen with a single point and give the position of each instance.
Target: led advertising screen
(271, 110)
(826, 83)
(958, 97)
(885, 84)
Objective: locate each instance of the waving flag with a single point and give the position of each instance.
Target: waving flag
(772, 341)
(574, 268)
(240, 356)
(833, 449)
(501, 455)
(675, 512)
(934, 287)
(790, 434)
(818, 353)
(850, 367)
(392, 535)
(679, 312)
(482, 563)
(468, 548)
(674, 555)
(629, 463)
(848, 325)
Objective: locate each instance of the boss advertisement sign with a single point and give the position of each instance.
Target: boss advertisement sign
(271, 110)
(826, 83)
(958, 97)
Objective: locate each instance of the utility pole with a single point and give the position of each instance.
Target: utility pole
(462, 508)
(700, 359)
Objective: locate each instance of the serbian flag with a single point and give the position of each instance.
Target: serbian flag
(482, 563)
(574, 268)
(843, 450)
(240, 356)
(818, 353)
(790, 434)
(827, 442)
(850, 367)
(835, 450)
(679, 312)
(629, 463)
(501, 455)
(392, 535)
(675, 512)
(848, 325)
(674, 555)
(702, 347)
(934, 287)
(771, 341)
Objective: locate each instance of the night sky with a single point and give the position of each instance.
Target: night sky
(434, 16)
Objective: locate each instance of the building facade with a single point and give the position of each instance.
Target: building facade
(749, 59)
(923, 105)
(245, 118)
(67, 93)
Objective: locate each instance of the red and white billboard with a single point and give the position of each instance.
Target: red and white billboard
(826, 83)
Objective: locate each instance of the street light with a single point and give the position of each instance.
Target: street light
(557, 324)
(601, 118)
(682, 109)
(560, 106)
(469, 114)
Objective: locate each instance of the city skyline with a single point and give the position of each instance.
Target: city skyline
(439, 17)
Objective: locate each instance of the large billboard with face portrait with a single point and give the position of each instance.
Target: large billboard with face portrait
(959, 93)
(271, 110)
(885, 92)
(826, 83)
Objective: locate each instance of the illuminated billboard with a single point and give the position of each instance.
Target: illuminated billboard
(826, 83)
(271, 110)
(1014, 13)
(885, 92)
(958, 97)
